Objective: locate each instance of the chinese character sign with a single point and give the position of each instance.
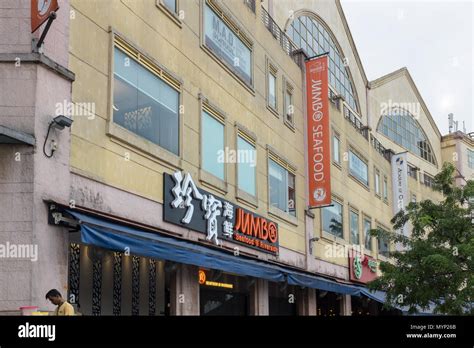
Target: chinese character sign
(191, 207)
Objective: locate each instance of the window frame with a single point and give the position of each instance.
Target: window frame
(385, 189)
(288, 90)
(379, 240)
(470, 158)
(271, 70)
(249, 137)
(237, 30)
(377, 181)
(336, 135)
(366, 218)
(327, 234)
(207, 178)
(174, 16)
(355, 212)
(126, 138)
(363, 160)
(290, 169)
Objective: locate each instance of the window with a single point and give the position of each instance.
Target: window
(272, 91)
(385, 188)
(384, 245)
(246, 166)
(336, 157)
(289, 107)
(212, 138)
(145, 104)
(413, 198)
(358, 168)
(172, 5)
(377, 182)
(470, 158)
(282, 188)
(367, 237)
(332, 219)
(354, 226)
(311, 35)
(428, 180)
(412, 172)
(232, 47)
(272, 86)
(402, 128)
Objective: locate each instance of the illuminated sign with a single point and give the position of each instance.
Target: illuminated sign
(202, 277)
(362, 268)
(190, 207)
(318, 132)
(203, 281)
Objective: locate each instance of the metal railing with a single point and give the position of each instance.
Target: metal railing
(359, 126)
(250, 4)
(278, 34)
(386, 153)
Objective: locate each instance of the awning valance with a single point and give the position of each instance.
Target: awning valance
(111, 235)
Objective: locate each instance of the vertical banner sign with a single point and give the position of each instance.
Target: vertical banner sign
(400, 184)
(40, 11)
(319, 154)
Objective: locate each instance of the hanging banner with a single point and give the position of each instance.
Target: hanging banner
(400, 184)
(319, 153)
(40, 11)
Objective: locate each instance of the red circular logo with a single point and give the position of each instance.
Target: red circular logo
(202, 277)
(272, 232)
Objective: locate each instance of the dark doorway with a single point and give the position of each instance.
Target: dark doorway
(328, 303)
(223, 294)
(281, 299)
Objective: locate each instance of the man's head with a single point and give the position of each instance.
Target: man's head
(54, 296)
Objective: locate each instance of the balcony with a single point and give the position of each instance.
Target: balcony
(359, 126)
(279, 34)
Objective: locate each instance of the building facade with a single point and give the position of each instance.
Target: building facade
(184, 189)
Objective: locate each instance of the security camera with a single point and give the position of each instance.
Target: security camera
(61, 121)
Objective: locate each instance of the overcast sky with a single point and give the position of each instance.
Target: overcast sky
(433, 39)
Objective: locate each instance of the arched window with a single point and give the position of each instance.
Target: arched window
(310, 35)
(401, 127)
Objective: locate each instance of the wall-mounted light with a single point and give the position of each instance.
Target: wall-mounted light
(59, 122)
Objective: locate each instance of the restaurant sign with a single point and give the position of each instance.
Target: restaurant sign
(362, 268)
(190, 207)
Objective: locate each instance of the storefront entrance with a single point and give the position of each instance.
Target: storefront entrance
(223, 294)
(328, 303)
(281, 299)
(104, 282)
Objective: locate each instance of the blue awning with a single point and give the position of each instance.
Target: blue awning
(381, 296)
(321, 283)
(114, 236)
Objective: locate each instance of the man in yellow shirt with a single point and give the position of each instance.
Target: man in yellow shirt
(64, 308)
